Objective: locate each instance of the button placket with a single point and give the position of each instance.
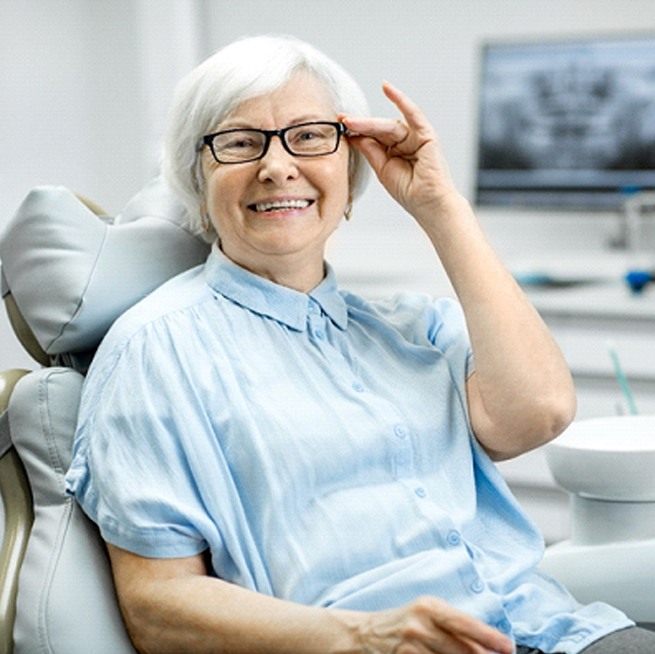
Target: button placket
(315, 320)
(317, 325)
(403, 450)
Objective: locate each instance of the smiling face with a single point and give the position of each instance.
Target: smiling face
(275, 215)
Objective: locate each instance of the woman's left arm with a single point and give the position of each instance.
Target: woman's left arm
(521, 394)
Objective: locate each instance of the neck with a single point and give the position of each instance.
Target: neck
(292, 272)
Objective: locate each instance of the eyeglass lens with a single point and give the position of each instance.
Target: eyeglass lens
(306, 140)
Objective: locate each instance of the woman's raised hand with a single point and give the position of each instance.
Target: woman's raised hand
(405, 155)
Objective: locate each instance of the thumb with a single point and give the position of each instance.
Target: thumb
(373, 150)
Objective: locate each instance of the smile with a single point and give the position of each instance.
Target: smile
(282, 205)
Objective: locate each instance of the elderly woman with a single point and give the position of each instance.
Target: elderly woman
(280, 466)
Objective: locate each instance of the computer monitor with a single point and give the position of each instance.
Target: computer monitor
(566, 123)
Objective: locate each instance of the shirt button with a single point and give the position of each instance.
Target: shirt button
(454, 538)
(400, 432)
(420, 492)
(319, 334)
(477, 586)
(357, 387)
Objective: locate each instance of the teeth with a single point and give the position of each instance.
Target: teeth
(284, 204)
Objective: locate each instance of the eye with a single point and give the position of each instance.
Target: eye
(238, 145)
(308, 135)
(236, 141)
(315, 138)
(312, 132)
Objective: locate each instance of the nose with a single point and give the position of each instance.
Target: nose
(277, 165)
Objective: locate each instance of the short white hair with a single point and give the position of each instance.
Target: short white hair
(245, 69)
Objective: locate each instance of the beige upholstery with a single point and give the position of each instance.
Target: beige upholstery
(17, 499)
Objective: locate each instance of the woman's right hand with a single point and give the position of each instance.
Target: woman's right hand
(406, 156)
(427, 624)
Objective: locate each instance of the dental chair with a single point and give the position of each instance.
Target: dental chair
(606, 465)
(67, 272)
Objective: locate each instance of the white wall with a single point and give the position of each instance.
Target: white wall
(85, 84)
(84, 87)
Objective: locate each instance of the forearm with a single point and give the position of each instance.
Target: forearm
(173, 605)
(522, 381)
(199, 614)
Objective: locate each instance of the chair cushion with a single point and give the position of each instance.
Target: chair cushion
(66, 598)
(72, 272)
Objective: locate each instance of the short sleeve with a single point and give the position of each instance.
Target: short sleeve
(423, 320)
(132, 471)
(446, 329)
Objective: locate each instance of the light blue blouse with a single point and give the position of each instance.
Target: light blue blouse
(319, 445)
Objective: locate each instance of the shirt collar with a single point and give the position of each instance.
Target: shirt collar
(267, 298)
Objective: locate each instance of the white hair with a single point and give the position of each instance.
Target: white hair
(245, 69)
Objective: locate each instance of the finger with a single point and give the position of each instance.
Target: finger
(375, 153)
(469, 628)
(481, 637)
(411, 112)
(386, 131)
(450, 644)
(442, 641)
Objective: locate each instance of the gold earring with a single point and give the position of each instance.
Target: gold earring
(206, 222)
(347, 214)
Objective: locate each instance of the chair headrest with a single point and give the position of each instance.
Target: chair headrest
(71, 272)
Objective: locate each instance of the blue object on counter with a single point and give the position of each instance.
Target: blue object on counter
(637, 279)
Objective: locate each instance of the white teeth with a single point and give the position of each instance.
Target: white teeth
(284, 204)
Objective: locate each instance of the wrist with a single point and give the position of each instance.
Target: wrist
(443, 207)
(346, 636)
(448, 217)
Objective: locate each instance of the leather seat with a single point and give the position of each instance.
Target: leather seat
(67, 273)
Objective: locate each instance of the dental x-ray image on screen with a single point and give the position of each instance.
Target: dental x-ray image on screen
(566, 124)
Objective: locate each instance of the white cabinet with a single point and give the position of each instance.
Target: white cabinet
(585, 321)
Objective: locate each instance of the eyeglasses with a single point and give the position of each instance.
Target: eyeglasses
(234, 146)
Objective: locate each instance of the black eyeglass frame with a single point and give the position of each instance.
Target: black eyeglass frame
(208, 140)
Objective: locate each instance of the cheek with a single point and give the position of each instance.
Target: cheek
(339, 183)
(222, 191)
